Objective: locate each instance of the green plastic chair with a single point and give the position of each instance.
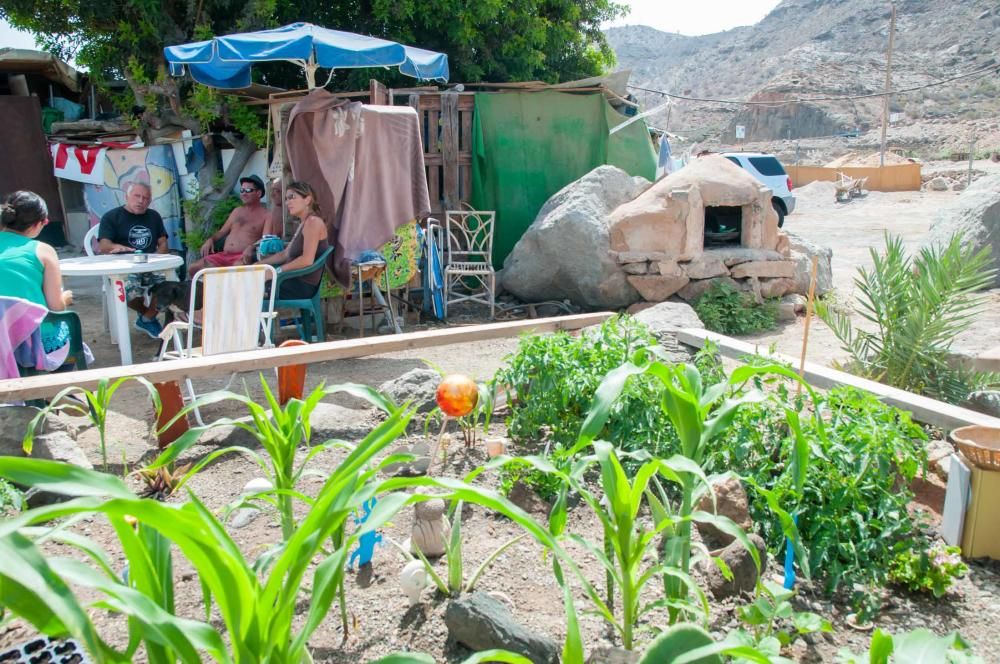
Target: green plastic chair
(310, 320)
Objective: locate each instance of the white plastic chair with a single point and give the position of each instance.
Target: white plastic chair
(468, 271)
(89, 240)
(232, 319)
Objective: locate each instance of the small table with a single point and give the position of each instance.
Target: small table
(113, 268)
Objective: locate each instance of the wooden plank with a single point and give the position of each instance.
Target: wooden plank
(434, 185)
(377, 93)
(433, 132)
(47, 385)
(449, 149)
(923, 409)
(465, 183)
(465, 130)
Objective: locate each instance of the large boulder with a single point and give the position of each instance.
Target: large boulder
(802, 253)
(565, 254)
(975, 214)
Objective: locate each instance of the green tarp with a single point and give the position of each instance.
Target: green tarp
(529, 145)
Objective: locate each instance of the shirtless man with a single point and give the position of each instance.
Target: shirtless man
(242, 229)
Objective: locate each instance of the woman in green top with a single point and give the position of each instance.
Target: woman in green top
(29, 269)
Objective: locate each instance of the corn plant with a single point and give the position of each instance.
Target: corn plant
(258, 616)
(699, 419)
(96, 407)
(456, 583)
(279, 431)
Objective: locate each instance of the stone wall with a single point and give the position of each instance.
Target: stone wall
(659, 237)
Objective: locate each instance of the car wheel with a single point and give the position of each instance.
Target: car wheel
(780, 209)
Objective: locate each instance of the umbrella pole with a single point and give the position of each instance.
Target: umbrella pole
(311, 68)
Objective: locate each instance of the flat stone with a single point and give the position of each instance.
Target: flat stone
(481, 622)
(640, 307)
(670, 268)
(657, 288)
(613, 655)
(736, 255)
(695, 289)
(625, 257)
(764, 269)
(705, 267)
(636, 268)
(939, 457)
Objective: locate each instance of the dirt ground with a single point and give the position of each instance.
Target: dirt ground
(381, 620)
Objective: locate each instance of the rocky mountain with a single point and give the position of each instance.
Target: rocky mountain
(829, 48)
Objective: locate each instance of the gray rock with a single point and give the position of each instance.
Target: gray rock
(480, 622)
(417, 385)
(329, 421)
(985, 401)
(55, 439)
(730, 501)
(565, 253)
(741, 565)
(668, 317)
(802, 252)
(975, 214)
(938, 184)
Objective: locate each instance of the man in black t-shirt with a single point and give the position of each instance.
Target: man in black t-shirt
(130, 228)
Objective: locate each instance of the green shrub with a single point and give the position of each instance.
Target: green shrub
(11, 499)
(552, 380)
(726, 310)
(853, 516)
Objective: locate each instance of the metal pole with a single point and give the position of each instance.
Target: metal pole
(888, 83)
(972, 155)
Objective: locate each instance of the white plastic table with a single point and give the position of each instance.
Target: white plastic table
(114, 268)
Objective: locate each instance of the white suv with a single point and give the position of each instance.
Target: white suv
(767, 169)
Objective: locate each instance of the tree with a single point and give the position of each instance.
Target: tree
(486, 40)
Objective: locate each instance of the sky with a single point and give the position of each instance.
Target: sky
(695, 17)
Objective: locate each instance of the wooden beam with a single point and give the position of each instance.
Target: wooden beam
(923, 409)
(47, 385)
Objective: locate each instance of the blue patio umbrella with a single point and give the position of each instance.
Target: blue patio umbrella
(224, 62)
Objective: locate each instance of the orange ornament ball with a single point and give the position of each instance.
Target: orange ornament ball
(457, 395)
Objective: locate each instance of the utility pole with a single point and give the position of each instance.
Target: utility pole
(888, 82)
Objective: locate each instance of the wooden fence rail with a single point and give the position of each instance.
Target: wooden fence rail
(48, 385)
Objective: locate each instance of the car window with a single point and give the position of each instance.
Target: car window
(767, 165)
(735, 161)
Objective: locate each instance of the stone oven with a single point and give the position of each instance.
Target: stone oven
(707, 222)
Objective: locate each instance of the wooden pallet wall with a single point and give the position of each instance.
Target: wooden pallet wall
(446, 125)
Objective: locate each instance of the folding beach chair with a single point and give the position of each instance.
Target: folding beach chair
(232, 319)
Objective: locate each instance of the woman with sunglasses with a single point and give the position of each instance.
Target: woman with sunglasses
(29, 269)
(309, 241)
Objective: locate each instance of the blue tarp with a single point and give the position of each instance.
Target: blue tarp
(224, 62)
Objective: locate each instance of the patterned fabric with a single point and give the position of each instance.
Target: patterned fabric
(402, 254)
(20, 321)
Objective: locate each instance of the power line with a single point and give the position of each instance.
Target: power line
(979, 72)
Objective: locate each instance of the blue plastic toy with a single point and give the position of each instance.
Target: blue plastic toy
(367, 542)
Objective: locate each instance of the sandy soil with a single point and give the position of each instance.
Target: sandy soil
(381, 619)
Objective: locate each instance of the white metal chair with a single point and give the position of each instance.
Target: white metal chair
(232, 319)
(468, 273)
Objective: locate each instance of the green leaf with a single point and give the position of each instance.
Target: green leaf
(671, 646)
(62, 478)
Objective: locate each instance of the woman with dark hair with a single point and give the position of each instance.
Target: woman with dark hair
(29, 269)
(309, 241)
